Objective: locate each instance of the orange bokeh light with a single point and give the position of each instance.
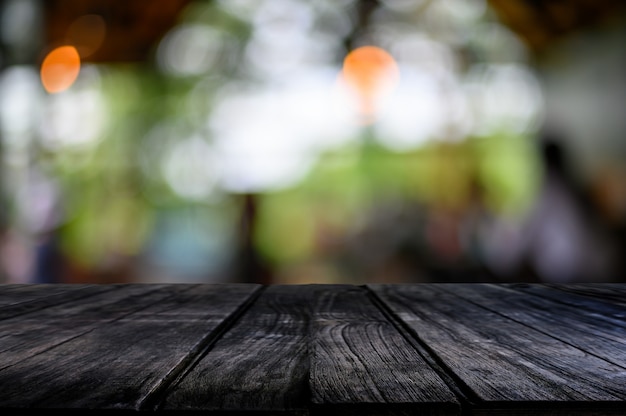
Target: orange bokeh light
(371, 72)
(60, 69)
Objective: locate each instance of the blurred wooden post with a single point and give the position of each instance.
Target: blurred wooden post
(249, 266)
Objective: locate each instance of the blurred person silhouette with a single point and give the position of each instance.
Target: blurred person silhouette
(568, 242)
(43, 214)
(563, 239)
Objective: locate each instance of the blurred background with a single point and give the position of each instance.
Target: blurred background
(326, 141)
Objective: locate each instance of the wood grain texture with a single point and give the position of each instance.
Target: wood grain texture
(20, 299)
(590, 304)
(592, 333)
(501, 363)
(120, 363)
(260, 364)
(605, 292)
(319, 350)
(360, 359)
(29, 334)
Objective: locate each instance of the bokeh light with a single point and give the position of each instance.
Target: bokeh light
(371, 72)
(397, 136)
(60, 69)
(189, 49)
(19, 95)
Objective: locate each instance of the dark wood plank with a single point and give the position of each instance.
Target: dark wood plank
(362, 364)
(119, 364)
(606, 292)
(260, 364)
(598, 307)
(20, 299)
(500, 363)
(591, 333)
(29, 334)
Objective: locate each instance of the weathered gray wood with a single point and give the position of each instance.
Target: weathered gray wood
(605, 292)
(121, 363)
(20, 299)
(590, 332)
(598, 307)
(29, 334)
(501, 363)
(360, 359)
(260, 364)
(512, 350)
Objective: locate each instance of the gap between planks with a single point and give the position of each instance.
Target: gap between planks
(466, 397)
(155, 399)
(537, 328)
(88, 328)
(68, 382)
(536, 399)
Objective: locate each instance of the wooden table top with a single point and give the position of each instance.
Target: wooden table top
(423, 349)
